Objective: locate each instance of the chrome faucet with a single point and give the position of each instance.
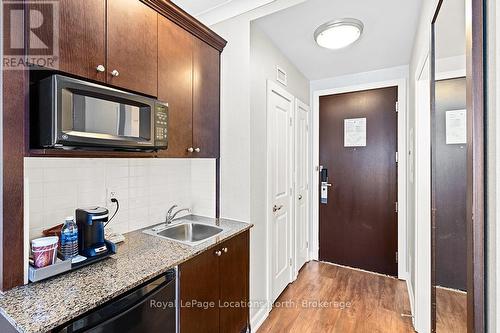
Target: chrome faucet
(171, 216)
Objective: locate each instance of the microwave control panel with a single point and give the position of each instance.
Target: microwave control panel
(161, 125)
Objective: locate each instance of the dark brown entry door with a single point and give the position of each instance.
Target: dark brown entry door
(358, 224)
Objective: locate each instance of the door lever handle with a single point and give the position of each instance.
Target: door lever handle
(276, 208)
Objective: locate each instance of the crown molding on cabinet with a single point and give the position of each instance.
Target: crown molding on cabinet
(186, 21)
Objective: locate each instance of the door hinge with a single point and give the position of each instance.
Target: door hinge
(397, 107)
(397, 157)
(290, 262)
(397, 257)
(307, 128)
(307, 244)
(291, 121)
(396, 208)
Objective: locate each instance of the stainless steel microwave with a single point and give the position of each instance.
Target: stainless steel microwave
(77, 114)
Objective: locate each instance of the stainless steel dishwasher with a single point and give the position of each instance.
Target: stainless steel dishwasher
(149, 308)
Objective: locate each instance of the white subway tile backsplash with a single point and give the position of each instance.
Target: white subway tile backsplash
(116, 184)
(145, 188)
(113, 171)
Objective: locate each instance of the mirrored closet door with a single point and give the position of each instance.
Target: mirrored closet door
(456, 143)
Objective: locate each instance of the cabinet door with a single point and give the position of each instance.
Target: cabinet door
(132, 46)
(82, 27)
(206, 100)
(175, 85)
(199, 281)
(234, 284)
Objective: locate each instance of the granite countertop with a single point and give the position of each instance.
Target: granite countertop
(42, 306)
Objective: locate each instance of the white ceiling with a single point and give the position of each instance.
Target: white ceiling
(214, 11)
(387, 40)
(199, 7)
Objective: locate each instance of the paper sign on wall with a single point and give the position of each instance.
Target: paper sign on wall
(355, 132)
(456, 127)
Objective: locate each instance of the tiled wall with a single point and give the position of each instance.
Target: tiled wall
(146, 188)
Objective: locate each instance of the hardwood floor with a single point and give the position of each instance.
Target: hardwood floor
(354, 301)
(451, 311)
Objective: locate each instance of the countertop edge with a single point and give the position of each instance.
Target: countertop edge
(15, 326)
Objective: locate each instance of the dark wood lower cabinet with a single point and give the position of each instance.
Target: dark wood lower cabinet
(234, 285)
(214, 290)
(199, 282)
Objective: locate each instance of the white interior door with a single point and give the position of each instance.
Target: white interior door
(301, 148)
(280, 165)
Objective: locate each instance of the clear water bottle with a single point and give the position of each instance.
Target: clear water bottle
(69, 239)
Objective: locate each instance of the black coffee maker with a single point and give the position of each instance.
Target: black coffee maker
(91, 222)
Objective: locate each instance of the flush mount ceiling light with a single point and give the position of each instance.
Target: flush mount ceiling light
(339, 33)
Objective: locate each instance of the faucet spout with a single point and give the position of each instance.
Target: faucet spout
(171, 217)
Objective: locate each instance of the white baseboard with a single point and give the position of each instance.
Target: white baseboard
(259, 318)
(412, 299)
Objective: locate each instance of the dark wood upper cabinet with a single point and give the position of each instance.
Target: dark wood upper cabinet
(233, 276)
(144, 46)
(175, 85)
(199, 281)
(206, 99)
(82, 38)
(82, 27)
(219, 278)
(132, 35)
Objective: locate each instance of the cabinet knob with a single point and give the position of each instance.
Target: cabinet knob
(115, 73)
(101, 68)
(190, 150)
(224, 249)
(197, 150)
(218, 253)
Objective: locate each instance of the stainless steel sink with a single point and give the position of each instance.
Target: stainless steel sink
(186, 232)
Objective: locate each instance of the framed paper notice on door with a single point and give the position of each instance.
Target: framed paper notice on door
(355, 132)
(456, 127)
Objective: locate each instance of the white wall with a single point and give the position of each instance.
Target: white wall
(236, 145)
(235, 110)
(235, 120)
(145, 188)
(264, 57)
(386, 74)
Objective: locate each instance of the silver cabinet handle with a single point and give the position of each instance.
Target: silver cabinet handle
(101, 68)
(190, 150)
(224, 249)
(197, 150)
(115, 73)
(276, 208)
(218, 253)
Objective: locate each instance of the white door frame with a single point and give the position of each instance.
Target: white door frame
(272, 86)
(402, 151)
(297, 266)
(422, 183)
